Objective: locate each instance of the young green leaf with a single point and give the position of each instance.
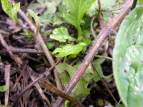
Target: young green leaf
(36, 18)
(69, 49)
(10, 10)
(50, 44)
(29, 34)
(61, 34)
(75, 11)
(51, 7)
(3, 88)
(128, 59)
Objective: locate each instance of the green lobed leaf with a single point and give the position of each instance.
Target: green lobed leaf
(128, 59)
(69, 49)
(92, 10)
(10, 10)
(57, 20)
(67, 73)
(61, 34)
(75, 11)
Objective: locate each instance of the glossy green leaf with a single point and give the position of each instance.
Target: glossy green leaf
(69, 49)
(61, 34)
(36, 18)
(128, 59)
(10, 10)
(75, 11)
(4, 88)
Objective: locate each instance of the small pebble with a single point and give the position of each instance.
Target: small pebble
(90, 106)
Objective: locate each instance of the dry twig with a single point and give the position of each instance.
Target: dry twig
(53, 89)
(23, 50)
(22, 72)
(40, 90)
(8, 48)
(7, 82)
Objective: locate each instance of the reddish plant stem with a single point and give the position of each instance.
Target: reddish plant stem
(25, 50)
(103, 35)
